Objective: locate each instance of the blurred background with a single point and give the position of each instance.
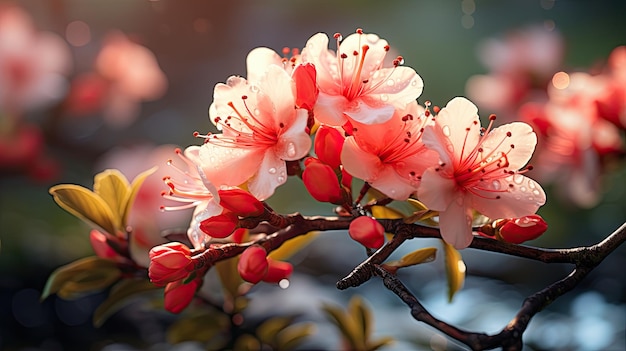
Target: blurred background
(87, 85)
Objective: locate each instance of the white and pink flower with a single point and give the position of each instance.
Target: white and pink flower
(478, 170)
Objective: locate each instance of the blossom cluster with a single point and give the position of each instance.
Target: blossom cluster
(330, 116)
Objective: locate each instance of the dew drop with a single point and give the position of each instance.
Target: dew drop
(496, 185)
(280, 179)
(532, 185)
(450, 148)
(256, 111)
(291, 149)
(414, 82)
(518, 179)
(536, 192)
(272, 170)
(254, 89)
(446, 131)
(523, 189)
(517, 197)
(531, 198)
(384, 97)
(390, 82)
(283, 283)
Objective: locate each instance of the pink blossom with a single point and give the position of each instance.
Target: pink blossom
(478, 170)
(353, 83)
(33, 63)
(261, 130)
(391, 156)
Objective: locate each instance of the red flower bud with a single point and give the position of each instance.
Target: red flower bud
(518, 230)
(367, 231)
(328, 144)
(277, 271)
(100, 242)
(253, 264)
(305, 76)
(169, 262)
(220, 226)
(241, 202)
(179, 295)
(321, 182)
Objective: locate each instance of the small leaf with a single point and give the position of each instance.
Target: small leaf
(378, 343)
(120, 296)
(201, 328)
(424, 255)
(361, 315)
(86, 205)
(69, 272)
(455, 269)
(247, 342)
(346, 326)
(386, 212)
(292, 246)
(113, 187)
(292, 336)
(268, 331)
(85, 282)
(134, 190)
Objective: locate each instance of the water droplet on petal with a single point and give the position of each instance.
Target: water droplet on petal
(446, 131)
(254, 88)
(532, 185)
(390, 82)
(523, 189)
(384, 97)
(496, 185)
(281, 179)
(413, 82)
(531, 198)
(291, 149)
(518, 179)
(536, 192)
(272, 170)
(256, 111)
(450, 148)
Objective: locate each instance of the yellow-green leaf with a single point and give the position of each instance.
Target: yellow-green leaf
(247, 342)
(386, 212)
(202, 328)
(292, 246)
(268, 331)
(120, 295)
(86, 205)
(292, 336)
(424, 255)
(378, 343)
(346, 326)
(113, 187)
(69, 272)
(455, 269)
(134, 189)
(417, 205)
(361, 315)
(89, 281)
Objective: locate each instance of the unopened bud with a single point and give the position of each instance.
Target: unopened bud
(277, 271)
(328, 144)
(240, 202)
(305, 76)
(178, 295)
(220, 226)
(518, 230)
(253, 265)
(321, 182)
(367, 231)
(169, 262)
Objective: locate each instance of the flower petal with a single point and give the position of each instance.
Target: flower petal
(368, 111)
(276, 98)
(272, 173)
(435, 191)
(258, 60)
(522, 137)
(455, 224)
(401, 86)
(316, 52)
(390, 183)
(518, 196)
(329, 109)
(295, 142)
(358, 162)
(218, 163)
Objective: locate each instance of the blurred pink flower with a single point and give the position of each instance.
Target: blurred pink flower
(125, 75)
(33, 63)
(261, 130)
(391, 156)
(478, 170)
(353, 83)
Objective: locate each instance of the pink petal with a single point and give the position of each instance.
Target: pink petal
(397, 86)
(522, 137)
(435, 191)
(276, 98)
(325, 61)
(271, 173)
(329, 109)
(358, 162)
(390, 183)
(373, 59)
(521, 199)
(455, 224)
(294, 142)
(218, 163)
(363, 110)
(258, 60)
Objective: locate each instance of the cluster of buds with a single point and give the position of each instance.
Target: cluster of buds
(236, 203)
(254, 266)
(515, 230)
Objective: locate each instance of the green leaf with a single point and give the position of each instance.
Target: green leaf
(134, 189)
(72, 273)
(86, 205)
(361, 315)
(268, 331)
(120, 296)
(113, 187)
(292, 246)
(455, 269)
(202, 328)
(346, 326)
(424, 255)
(293, 335)
(90, 281)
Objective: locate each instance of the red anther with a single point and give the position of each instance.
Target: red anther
(359, 31)
(492, 117)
